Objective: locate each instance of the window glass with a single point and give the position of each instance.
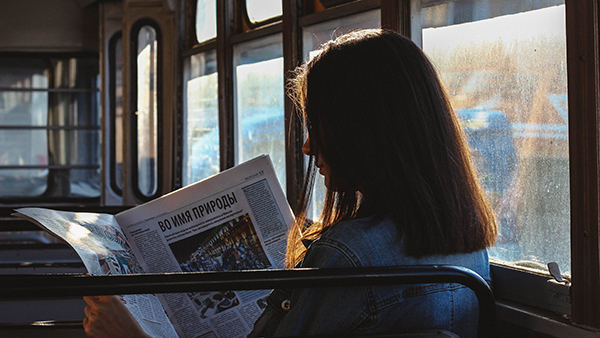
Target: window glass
(259, 89)
(504, 66)
(261, 10)
(147, 111)
(206, 20)
(312, 38)
(49, 127)
(201, 118)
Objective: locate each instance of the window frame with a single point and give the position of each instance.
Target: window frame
(112, 111)
(583, 66)
(133, 123)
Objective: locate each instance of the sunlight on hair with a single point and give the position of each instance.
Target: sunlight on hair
(313, 53)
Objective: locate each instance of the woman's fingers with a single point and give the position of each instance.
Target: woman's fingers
(108, 317)
(90, 299)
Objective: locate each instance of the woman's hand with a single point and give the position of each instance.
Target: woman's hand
(107, 316)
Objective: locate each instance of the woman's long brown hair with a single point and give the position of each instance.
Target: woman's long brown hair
(376, 113)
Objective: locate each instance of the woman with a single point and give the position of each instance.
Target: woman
(401, 190)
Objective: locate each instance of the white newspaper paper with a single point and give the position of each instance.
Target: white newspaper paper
(103, 249)
(235, 220)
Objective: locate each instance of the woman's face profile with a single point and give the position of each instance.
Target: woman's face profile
(323, 168)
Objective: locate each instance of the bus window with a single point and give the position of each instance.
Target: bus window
(259, 91)
(146, 114)
(206, 20)
(49, 127)
(504, 67)
(201, 116)
(261, 10)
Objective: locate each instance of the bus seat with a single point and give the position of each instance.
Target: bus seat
(60, 286)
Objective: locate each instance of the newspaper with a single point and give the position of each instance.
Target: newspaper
(103, 249)
(235, 220)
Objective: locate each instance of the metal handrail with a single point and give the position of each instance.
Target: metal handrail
(60, 286)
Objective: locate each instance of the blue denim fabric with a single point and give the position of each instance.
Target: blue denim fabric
(379, 309)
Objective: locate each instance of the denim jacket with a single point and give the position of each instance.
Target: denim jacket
(372, 309)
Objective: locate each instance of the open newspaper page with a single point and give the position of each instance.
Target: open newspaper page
(103, 249)
(235, 220)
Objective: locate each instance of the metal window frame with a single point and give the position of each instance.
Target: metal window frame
(133, 125)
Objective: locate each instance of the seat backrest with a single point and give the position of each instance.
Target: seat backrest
(57, 286)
